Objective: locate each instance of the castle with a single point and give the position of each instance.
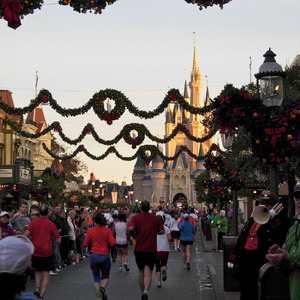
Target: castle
(173, 182)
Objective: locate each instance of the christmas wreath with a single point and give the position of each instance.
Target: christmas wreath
(204, 4)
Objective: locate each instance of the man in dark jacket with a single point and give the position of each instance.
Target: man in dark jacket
(253, 244)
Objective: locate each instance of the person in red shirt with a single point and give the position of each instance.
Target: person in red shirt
(42, 232)
(146, 226)
(98, 240)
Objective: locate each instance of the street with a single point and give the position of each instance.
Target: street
(76, 282)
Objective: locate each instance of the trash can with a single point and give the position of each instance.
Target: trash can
(207, 230)
(230, 283)
(272, 284)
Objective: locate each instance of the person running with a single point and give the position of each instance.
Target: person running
(99, 239)
(145, 226)
(42, 232)
(120, 232)
(163, 249)
(187, 231)
(175, 232)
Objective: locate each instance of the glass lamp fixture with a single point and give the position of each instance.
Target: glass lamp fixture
(271, 80)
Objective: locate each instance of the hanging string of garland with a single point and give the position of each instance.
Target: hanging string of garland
(147, 153)
(83, 6)
(125, 133)
(205, 4)
(97, 103)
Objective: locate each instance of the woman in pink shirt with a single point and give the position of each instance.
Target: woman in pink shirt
(98, 239)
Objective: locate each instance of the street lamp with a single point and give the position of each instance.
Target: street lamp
(271, 81)
(136, 202)
(39, 183)
(114, 195)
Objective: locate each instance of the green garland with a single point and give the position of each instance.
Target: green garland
(147, 153)
(204, 4)
(83, 6)
(125, 133)
(97, 103)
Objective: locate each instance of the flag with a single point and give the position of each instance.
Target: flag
(36, 79)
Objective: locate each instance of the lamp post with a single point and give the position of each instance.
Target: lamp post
(270, 78)
(136, 203)
(227, 141)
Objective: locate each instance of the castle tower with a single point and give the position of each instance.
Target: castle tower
(158, 174)
(137, 179)
(200, 162)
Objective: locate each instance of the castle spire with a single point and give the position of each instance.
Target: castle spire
(195, 76)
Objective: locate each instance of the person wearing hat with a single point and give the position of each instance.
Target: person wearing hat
(249, 254)
(15, 261)
(5, 229)
(186, 239)
(288, 257)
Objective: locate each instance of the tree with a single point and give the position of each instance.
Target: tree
(72, 167)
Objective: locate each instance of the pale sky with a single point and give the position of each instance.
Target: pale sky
(141, 48)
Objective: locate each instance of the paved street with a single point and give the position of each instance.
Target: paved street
(76, 282)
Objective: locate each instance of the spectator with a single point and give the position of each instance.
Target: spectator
(35, 214)
(222, 229)
(287, 258)
(214, 228)
(5, 229)
(21, 220)
(72, 231)
(146, 227)
(15, 259)
(42, 232)
(64, 234)
(84, 227)
(11, 211)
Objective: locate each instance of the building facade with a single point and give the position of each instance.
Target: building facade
(173, 182)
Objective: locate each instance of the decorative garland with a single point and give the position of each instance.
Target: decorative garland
(274, 140)
(13, 10)
(83, 6)
(97, 103)
(125, 133)
(204, 4)
(147, 153)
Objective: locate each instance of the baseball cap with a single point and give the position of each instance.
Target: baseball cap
(186, 216)
(3, 213)
(116, 212)
(267, 197)
(35, 212)
(296, 188)
(15, 254)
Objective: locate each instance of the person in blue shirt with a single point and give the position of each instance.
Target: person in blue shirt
(187, 237)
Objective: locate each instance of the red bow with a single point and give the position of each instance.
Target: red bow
(11, 13)
(109, 118)
(147, 161)
(44, 99)
(133, 144)
(173, 97)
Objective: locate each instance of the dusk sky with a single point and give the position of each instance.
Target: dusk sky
(141, 48)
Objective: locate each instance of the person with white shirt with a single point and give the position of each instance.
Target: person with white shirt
(175, 232)
(162, 255)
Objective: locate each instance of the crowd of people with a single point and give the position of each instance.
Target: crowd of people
(62, 237)
(55, 238)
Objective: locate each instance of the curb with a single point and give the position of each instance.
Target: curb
(216, 284)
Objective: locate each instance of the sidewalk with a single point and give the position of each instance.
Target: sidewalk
(216, 272)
